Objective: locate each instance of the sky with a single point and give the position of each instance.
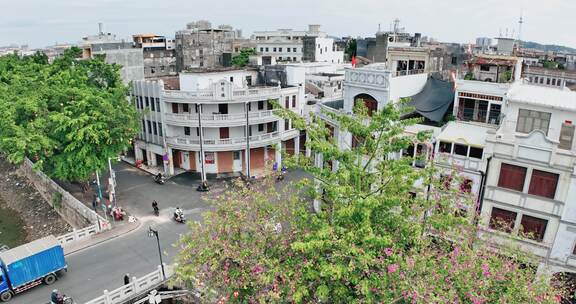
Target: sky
(40, 23)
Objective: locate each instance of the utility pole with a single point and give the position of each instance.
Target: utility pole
(247, 141)
(154, 233)
(98, 185)
(201, 134)
(112, 182)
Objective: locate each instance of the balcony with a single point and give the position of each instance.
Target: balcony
(220, 120)
(535, 146)
(229, 144)
(237, 95)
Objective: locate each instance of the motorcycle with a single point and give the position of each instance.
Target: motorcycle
(65, 300)
(159, 179)
(155, 207)
(179, 216)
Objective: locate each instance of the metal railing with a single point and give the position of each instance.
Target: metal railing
(219, 117)
(408, 72)
(136, 287)
(209, 94)
(227, 141)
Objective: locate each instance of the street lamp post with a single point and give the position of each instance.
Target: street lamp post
(154, 233)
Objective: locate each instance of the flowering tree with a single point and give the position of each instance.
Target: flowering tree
(379, 238)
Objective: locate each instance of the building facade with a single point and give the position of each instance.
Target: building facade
(287, 45)
(530, 190)
(218, 123)
(159, 54)
(200, 45)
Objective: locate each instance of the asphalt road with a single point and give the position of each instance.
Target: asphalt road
(92, 270)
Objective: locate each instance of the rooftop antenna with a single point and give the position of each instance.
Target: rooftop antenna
(379, 28)
(520, 22)
(100, 28)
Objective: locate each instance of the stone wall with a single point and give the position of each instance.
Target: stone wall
(70, 209)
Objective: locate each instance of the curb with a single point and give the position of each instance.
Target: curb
(139, 224)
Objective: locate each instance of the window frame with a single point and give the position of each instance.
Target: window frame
(503, 184)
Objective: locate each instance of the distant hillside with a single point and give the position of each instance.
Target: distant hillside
(547, 47)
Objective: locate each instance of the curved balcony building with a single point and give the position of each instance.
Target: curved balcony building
(215, 122)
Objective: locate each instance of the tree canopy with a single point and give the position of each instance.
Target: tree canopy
(69, 116)
(378, 238)
(242, 59)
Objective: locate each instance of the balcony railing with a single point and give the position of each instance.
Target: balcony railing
(211, 120)
(236, 93)
(408, 72)
(468, 114)
(232, 143)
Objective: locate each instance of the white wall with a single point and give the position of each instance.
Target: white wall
(405, 86)
(325, 53)
(195, 81)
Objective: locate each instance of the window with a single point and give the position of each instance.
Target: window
(260, 104)
(153, 104)
(535, 79)
(512, 177)
(149, 123)
(288, 50)
(274, 49)
(236, 155)
(408, 152)
(187, 131)
(157, 104)
(260, 127)
(294, 50)
(155, 128)
(543, 184)
(147, 102)
(476, 152)
(279, 49)
(209, 157)
(554, 81)
(566, 136)
(266, 49)
(460, 149)
(224, 133)
(185, 108)
(445, 147)
(485, 68)
(548, 81)
(293, 101)
(231, 79)
(293, 58)
(502, 220)
(160, 129)
(286, 124)
(143, 125)
(261, 49)
(529, 121)
(287, 102)
(248, 80)
(533, 227)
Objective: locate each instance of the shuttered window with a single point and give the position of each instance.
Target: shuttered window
(566, 136)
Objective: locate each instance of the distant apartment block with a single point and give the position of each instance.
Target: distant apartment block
(200, 45)
(159, 54)
(295, 46)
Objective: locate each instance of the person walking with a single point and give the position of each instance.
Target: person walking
(127, 279)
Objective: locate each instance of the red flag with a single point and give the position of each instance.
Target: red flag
(353, 61)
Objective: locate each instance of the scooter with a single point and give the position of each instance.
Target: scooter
(159, 179)
(179, 217)
(65, 300)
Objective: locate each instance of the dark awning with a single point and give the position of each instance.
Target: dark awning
(434, 99)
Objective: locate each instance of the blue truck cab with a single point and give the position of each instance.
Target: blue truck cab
(29, 265)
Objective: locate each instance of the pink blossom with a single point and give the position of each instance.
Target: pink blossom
(388, 251)
(236, 294)
(392, 268)
(257, 269)
(485, 270)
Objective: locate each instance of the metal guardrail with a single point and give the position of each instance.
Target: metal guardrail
(137, 287)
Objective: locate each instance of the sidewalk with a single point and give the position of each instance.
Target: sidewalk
(95, 239)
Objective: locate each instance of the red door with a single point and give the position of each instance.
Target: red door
(224, 133)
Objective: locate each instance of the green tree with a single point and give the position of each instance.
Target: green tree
(351, 48)
(372, 241)
(242, 59)
(69, 117)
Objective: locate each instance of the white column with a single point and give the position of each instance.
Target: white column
(170, 162)
(278, 152)
(308, 150)
(297, 145)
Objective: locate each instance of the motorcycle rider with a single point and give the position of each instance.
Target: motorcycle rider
(155, 206)
(56, 297)
(178, 214)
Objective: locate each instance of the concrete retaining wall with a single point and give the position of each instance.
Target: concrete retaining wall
(70, 209)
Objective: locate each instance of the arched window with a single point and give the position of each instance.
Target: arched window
(369, 102)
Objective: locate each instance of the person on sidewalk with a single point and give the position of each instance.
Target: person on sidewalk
(127, 279)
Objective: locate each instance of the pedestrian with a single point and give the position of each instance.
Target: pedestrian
(127, 279)
(95, 204)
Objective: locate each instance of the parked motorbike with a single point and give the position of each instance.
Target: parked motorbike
(160, 179)
(155, 207)
(179, 216)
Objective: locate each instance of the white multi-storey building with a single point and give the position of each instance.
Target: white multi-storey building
(530, 195)
(217, 123)
(288, 45)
